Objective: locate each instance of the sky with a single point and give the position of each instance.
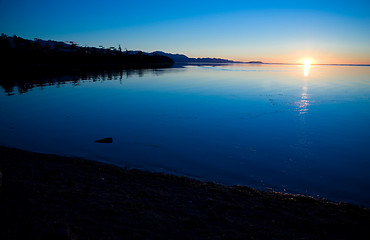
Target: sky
(269, 31)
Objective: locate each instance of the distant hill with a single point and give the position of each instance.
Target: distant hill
(177, 58)
(181, 58)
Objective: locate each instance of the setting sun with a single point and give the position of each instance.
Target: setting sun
(307, 61)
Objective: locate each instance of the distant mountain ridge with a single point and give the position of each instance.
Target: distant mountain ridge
(181, 58)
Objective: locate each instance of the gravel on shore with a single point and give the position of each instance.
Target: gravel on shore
(45, 196)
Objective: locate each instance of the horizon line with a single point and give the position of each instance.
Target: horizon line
(337, 64)
(228, 59)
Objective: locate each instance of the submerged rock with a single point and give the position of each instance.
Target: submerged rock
(104, 140)
(60, 232)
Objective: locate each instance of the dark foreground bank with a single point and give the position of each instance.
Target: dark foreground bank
(51, 197)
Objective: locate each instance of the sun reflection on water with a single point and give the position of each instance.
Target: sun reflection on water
(306, 70)
(306, 64)
(304, 102)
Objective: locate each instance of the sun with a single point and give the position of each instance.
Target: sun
(307, 61)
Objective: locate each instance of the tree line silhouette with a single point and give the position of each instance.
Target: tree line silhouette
(16, 51)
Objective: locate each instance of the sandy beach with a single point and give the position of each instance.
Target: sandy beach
(52, 197)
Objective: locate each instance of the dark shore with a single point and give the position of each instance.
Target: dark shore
(51, 197)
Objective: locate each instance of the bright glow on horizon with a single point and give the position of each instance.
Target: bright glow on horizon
(307, 61)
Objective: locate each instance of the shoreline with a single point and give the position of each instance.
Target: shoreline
(46, 196)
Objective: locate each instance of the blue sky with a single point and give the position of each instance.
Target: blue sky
(271, 31)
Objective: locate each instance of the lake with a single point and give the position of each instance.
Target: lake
(289, 128)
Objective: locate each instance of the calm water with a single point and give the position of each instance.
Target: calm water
(265, 126)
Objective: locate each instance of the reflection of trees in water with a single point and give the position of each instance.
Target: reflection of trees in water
(26, 79)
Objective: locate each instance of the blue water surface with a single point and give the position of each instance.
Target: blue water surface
(283, 127)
